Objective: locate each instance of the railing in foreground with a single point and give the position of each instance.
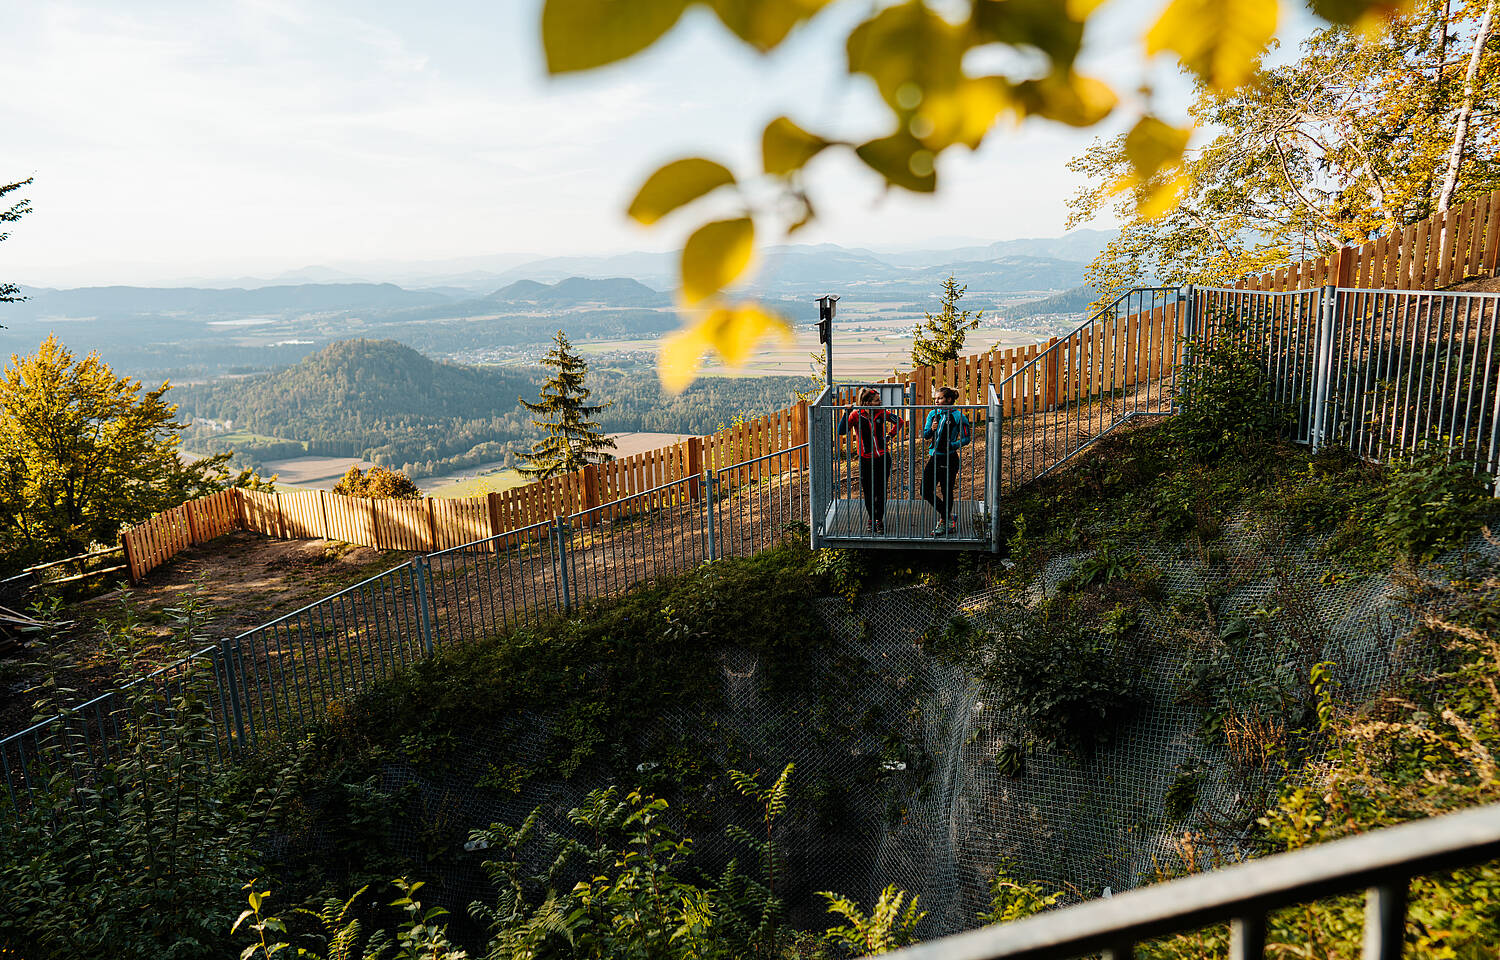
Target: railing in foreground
(278, 678)
(1382, 863)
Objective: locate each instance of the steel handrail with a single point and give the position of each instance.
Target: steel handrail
(1085, 325)
(1383, 862)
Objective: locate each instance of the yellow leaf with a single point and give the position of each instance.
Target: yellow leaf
(910, 52)
(765, 23)
(582, 34)
(679, 182)
(785, 147)
(964, 115)
(1155, 151)
(1219, 40)
(1160, 199)
(1054, 27)
(714, 256)
(1366, 16)
(1069, 98)
(902, 159)
(1152, 145)
(731, 331)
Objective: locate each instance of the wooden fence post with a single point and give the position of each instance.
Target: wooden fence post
(129, 559)
(1343, 267)
(695, 468)
(241, 512)
(323, 503)
(590, 494)
(281, 533)
(192, 524)
(1051, 374)
(431, 527)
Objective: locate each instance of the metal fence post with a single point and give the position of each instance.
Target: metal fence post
(993, 479)
(1322, 370)
(712, 489)
(560, 530)
(226, 657)
(419, 565)
(1189, 332)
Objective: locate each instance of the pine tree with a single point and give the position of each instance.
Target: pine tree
(572, 439)
(941, 337)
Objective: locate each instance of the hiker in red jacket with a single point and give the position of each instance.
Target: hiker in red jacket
(873, 427)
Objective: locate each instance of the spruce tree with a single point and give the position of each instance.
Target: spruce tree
(572, 439)
(941, 337)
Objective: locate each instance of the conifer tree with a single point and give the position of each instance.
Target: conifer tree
(572, 439)
(940, 338)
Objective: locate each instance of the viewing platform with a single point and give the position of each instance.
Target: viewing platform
(884, 489)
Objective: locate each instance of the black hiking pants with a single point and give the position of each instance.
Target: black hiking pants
(941, 470)
(874, 472)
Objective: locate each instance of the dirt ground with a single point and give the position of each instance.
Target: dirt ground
(243, 580)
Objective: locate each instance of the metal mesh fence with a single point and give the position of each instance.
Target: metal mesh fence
(278, 678)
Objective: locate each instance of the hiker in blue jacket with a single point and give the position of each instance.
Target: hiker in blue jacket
(946, 431)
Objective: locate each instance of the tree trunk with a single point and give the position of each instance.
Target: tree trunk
(1465, 111)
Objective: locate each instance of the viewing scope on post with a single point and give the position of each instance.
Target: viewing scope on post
(827, 305)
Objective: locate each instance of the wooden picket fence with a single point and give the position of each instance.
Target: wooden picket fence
(1457, 245)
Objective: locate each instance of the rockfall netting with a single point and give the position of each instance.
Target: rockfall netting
(912, 769)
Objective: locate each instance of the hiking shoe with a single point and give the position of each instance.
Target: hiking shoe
(940, 529)
(953, 526)
(879, 526)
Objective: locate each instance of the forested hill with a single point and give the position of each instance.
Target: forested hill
(385, 402)
(372, 398)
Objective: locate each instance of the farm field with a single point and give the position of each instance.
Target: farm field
(864, 346)
(321, 473)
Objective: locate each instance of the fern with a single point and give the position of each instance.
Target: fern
(888, 927)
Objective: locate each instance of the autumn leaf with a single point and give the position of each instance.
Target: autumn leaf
(786, 147)
(1054, 27)
(1219, 40)
(909, 51)
(1366, 16)
(1155, 152)
(903, 160)
(963, 115)
(676, 184)
(583, 34)
(714, 256)
(731, 331)
(765, 23)
(1070, 98)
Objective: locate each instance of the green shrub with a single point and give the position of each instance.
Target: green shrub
(142, 857)
(1432, 504)
(1225, 403)
(1066, 679)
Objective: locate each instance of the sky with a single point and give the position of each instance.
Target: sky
(180, 139)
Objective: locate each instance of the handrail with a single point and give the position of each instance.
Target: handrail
(1383, 862)
(1059, 341)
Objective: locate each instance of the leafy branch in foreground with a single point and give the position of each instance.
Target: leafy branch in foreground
(917, 58)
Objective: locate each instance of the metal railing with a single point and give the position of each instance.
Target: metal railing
(907, 493)
(1382, 863)
(279, 678)
(1381, 372)
(1119, 364)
